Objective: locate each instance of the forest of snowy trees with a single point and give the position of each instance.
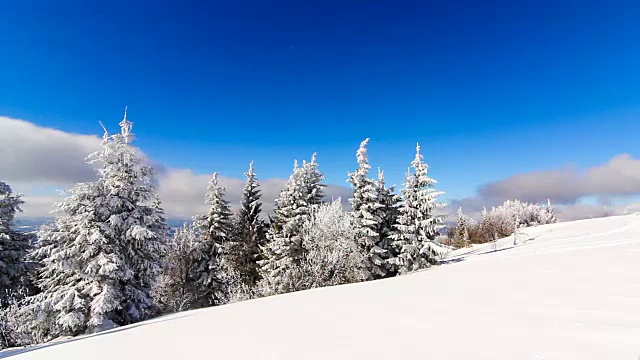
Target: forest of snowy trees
(109, 259)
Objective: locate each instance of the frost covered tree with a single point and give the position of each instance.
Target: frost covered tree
(368, 216)
(216, 225)
(549, 215)
(312, 181)
(176, 288)
(487, 228)
(14, 246)
(461, 232)
(244, 251)
(388, 212)
(283, 251)
(332, 255)
(417, 224)
(216, 231)
(102, 254)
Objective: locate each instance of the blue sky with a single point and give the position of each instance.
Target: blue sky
(490, 89)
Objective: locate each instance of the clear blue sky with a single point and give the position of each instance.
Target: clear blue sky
(489, 88)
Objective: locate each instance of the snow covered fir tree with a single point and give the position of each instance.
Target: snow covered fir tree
(14, 246)
(216, 230)
(102, 254)
(284, 252)
(250, 231)
(388, 213)
(312, 179)
(417, 223)
(461, 231)
(368, 215)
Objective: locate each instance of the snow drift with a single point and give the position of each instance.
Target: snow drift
(566, 291)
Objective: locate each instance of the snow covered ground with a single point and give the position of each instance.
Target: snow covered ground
(567, 291)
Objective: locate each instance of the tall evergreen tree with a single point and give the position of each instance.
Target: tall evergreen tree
(284, 251)
(388, 212)
(244, 252)
(14, 246)
(216, 230)
(417, 224)
(102, 253)
(283, 248)
(366, 216)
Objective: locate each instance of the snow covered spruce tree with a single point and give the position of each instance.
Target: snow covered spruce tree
(549, 215)
(244, 250)
(368, 216)
(14, 246)
(388, 212)
(283, 251)
(461, 232)
(101, 255)
(417, 224)
(312, 181)
(332, 254)
(216, 229)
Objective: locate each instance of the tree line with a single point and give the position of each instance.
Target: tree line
(110, 259)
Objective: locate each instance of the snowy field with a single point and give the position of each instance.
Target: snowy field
(566, 291)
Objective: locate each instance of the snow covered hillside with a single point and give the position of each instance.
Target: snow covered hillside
(566, 291)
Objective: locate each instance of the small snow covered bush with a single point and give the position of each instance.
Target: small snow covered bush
(13, 321)
(501, 221)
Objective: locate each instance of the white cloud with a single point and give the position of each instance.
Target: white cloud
(36, 206)
(619, 176)
(37, 155)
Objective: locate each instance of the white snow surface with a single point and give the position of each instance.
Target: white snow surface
(566, 291)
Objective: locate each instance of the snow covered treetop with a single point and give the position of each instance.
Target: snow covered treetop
(125, 128)
(361, 154)
(250, 172)
(9, 205)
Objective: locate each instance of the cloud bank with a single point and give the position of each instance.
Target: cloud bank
(618, 177)
(37, 160)
(42, 156)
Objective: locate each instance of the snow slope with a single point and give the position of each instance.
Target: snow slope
(567, 291)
